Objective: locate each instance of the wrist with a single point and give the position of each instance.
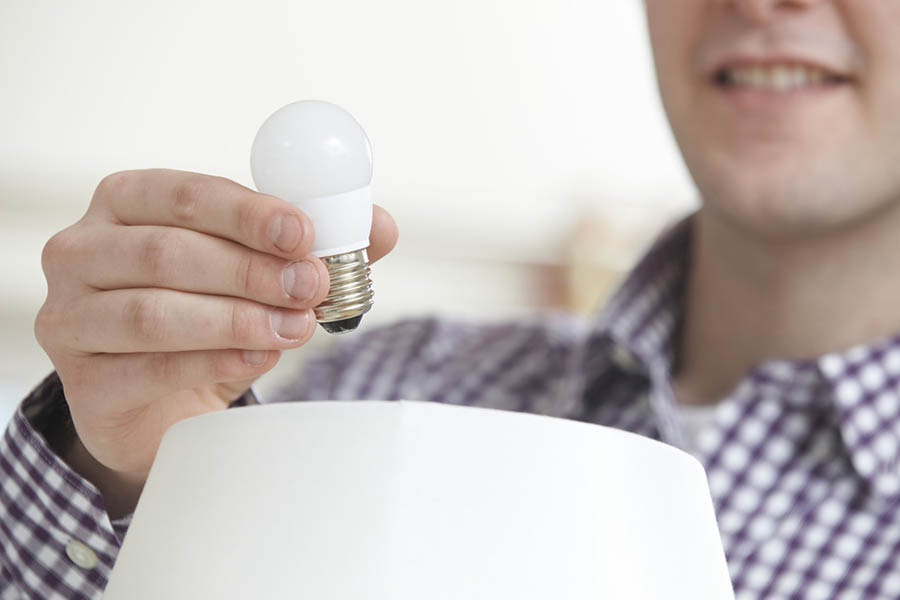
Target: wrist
(120, 490)
(53, 421)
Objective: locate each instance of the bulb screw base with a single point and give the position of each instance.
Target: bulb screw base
(350, 295)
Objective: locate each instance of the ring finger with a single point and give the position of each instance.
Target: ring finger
(160, 320)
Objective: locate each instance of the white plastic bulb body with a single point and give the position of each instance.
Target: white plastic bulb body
(316, 156)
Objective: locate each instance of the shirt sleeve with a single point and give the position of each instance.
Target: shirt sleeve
(56, 538)
(523, 365)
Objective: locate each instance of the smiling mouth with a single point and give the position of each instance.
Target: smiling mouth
(776, 78)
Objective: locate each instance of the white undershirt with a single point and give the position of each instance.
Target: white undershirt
(693, 420)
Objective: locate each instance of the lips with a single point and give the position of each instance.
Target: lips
(784, 90)
(777, 75)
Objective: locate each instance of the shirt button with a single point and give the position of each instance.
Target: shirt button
(624, 359)
(81, 555)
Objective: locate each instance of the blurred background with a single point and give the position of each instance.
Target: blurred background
(520, 144)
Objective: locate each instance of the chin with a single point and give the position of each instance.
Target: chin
(783, 206)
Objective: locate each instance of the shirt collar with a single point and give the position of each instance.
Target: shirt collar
(638, 332)
(864, 385)
(643, 315)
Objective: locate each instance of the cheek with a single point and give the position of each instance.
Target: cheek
(874, 25)
(877, 147)
(673, 27)
(880, 103)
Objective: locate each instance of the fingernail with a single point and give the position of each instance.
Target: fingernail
(286, 233)
(290, 324)
(255, 358)
(300, 280)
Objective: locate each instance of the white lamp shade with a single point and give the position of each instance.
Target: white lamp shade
(408, 501)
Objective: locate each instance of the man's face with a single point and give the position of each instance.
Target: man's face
(787, 111)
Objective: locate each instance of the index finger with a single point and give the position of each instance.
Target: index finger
(208, 204)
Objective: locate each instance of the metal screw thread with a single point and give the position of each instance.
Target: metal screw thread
(351, 292)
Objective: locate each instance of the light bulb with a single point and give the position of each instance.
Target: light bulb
(316, 156)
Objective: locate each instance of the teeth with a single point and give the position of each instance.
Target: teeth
(758, 77)
(780, 79)
(777, 78)
(799, 77)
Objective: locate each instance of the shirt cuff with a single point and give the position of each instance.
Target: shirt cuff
(56, 538)
(48, 511)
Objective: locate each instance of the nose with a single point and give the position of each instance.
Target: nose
(763, 11)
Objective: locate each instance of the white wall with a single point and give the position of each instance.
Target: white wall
(495, 124)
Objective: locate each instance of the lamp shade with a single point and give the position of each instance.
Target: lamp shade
(409, 500)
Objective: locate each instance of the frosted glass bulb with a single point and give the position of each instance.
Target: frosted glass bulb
(316, 156)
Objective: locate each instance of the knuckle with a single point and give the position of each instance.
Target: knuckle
(159, 254)
(244, 274)
(222, 366)
(244, 323)
(145, 318)
(46, 325)
(188, 195)
(248, 218)
(55, 252)
(113, 184)
(165, 366)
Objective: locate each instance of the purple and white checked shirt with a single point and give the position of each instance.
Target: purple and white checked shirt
(802, 456)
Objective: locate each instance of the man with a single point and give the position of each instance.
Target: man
(775, 304)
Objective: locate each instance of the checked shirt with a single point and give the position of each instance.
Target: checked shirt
(802, 457)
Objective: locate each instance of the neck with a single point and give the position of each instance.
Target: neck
(749, 299)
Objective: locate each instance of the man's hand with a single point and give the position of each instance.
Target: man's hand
(165, 301)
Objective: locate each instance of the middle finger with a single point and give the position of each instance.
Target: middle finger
(186, 260)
